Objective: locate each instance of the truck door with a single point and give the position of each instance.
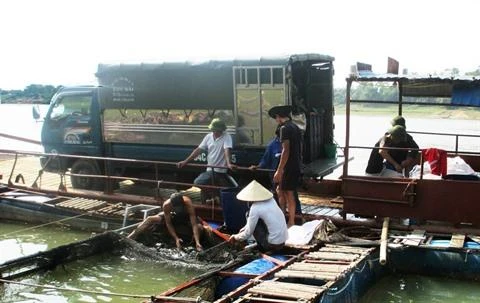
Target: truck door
(257, 89)
(69, 127)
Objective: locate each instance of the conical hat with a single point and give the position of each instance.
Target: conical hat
(254, 192)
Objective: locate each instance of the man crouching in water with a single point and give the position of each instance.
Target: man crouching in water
(177, 211)
(265, 221)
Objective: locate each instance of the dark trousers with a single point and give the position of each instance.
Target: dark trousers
(261, 236)
(214, 178)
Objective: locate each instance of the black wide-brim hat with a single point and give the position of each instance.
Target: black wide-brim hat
(282, 110)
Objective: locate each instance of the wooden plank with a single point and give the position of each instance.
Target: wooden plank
(457, 241)
(276, 290)
(280, 294)
(332, 212)
(311, 261)
(322, 211)
(253, 298)
(308, 208)
(350, 248)
(107, 209)
(337, 200)
(332, 256)
(346, 249)
(83, 203)
(307, 275)
(292, 286)
(92, 204)
(334, 268)
(417, 236)
(70, 203)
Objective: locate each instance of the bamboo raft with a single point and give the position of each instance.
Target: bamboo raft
(306, 280)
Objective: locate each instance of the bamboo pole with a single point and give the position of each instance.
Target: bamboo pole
(383, 241)
(333, 256)
(334, 268)
(308, 275)
(292, 286)
(70, 289)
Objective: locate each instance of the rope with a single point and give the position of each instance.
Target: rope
(336, 291)
(75, 289)
(166, 298)
(363, 267)
(45, 224)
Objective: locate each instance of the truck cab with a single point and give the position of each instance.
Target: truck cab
(72, 126)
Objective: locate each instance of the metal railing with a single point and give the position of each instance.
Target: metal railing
(419, 150)
(457, 136)
(63, 172)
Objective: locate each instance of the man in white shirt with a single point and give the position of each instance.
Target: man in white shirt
(217, 144)
(266, 221)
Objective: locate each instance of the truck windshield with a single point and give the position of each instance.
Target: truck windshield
(71, 105)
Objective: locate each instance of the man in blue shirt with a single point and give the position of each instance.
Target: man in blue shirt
(270, 160)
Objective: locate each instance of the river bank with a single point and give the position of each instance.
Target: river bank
(427, 112)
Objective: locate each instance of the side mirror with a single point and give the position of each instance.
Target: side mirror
(35, 112)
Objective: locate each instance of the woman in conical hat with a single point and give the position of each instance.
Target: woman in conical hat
(265, 222)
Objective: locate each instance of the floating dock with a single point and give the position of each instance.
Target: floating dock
(309, 278)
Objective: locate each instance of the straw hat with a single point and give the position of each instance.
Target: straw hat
(254, 192)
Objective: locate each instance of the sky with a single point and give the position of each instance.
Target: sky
(62, 42)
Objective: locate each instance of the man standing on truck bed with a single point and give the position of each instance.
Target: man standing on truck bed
(270, 160)
(217, 144)
(288, 172)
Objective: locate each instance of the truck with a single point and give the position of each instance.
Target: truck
(161, 112)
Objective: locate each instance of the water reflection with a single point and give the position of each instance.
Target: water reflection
(422, 289)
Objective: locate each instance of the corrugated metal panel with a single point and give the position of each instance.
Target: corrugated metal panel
(369, 76)
(421, 86)
(215, 64)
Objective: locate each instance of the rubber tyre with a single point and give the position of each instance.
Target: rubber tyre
(86, 167)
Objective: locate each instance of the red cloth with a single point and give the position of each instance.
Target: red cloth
(437, 158)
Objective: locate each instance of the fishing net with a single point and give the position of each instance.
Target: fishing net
(327, 232)
(210, 261)
(205, 289)
(187, 258)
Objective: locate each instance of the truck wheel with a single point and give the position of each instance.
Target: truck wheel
(86, 167)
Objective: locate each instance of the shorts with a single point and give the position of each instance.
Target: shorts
(290, 181)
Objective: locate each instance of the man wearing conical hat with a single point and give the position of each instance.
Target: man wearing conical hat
(217, 144)
(265, 222)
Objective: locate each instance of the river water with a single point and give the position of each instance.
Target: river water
(105, 273)
(123, 275)
(421, 289)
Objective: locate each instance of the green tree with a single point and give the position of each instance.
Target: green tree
(452, 71)
(474, 73)
(36, 93)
